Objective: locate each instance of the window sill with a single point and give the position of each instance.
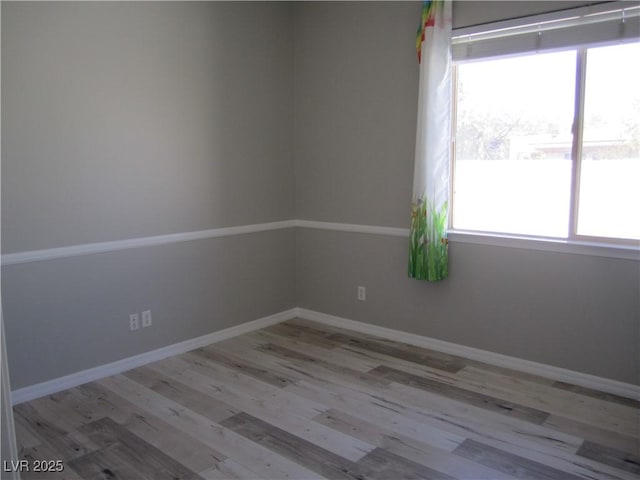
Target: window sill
(611, 250)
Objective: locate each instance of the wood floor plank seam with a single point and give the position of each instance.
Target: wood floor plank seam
(509, 463)
(296, 449)
(135, 451)
(609, 397)
(610, 456)
(473, 398)
(244, 366)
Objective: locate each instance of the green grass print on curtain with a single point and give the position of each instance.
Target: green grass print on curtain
(428, 249)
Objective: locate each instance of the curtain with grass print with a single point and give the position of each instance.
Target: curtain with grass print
(428, 255)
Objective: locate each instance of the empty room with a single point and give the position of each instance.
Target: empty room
(302, 240)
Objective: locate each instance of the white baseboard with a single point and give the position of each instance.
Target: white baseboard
(555, 373)
(73, 380)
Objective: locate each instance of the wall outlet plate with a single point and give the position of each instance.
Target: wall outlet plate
(362, 294)
(146, 318)
(134, 323)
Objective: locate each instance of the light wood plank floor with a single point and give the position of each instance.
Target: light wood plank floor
(301, 400)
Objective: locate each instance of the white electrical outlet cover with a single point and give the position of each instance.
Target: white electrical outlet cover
(362, 293)
(146, 318)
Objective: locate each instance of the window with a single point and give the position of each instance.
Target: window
(609, 186)
(548, 144)
(513, 145)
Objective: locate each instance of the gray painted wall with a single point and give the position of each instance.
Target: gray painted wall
(355, 94)
(355, 110)
(131, 119)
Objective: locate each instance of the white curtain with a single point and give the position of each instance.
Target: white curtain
(428, 256)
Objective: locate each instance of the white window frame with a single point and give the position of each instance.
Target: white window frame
(566, 30)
